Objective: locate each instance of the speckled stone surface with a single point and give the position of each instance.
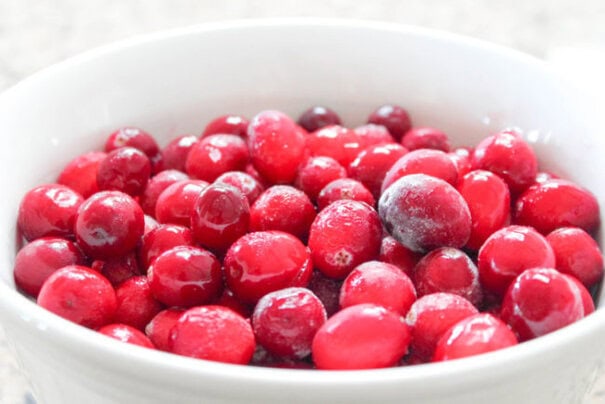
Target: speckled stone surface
(37, 33)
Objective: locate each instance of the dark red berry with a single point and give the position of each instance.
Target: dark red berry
(227, 124)
(136, 304)
(317, 117)
(158, 329)
(139, 139)
(119, 269)
(80, 174)
(344, 189)
(372, 164)
(162, 238)
(327, 290)
(175, 204)
(125, 169)
(156, 186)
(175, 153)
(393, 252)
(215, 155)
(126, 333)
(394, 118)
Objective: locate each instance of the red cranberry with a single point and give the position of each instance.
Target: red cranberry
(227, 124)
(365, 336)
(462, 159)
(156, 186)
(80, 174)
(213, 333)
(424, 161)
(126, 333)
(228, 299)
(317, 117)
(175, 204)
(577, 254)
(162, 238)
(247, 184)
(109, 224)
(510, 251)
(587, 302)
(395, 253)
(344, 189)
(139, 139)
(251, 171)
(316, 173)
(327, 290)
(118, 269)
(425, 138)
(48, 210)
(371, 134)
(175, 153)
(337, 142)
(185, 276)
(473, 336)
(215, 155)
(378, 283)
(344, 235)
(79, 294)
(36, 261)
(136, 304)
(265, 261)
(125, 169)
(372, 164)
(158, 329)
(424, 212)
(394, 118)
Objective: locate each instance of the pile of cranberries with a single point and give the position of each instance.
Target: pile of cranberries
(311, 245)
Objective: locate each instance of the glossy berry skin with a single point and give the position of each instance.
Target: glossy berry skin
(557, 203)
(253, 269)
(337, 142)
(364, 336)
(378, 283)
(426, 138)
(371, 134)
(577, 254)
(36, 261)
(215, 155)
(139, 139)
(220, 216)
(540, 301)
(118, 269)
(247, 184)
(372, 164)
(277, 146)
(424, 212)
(48, 210)
(126, 333)
(125, 169)
(136, 304)
(213, 333)
(80, 174)
(394, 118)
(175, 204)
(317, 117)
(344, 189)
(185, 276)
(344, 235)
(162, 238)
(156, 185)
(158, 329)
(285, 321)
(327, 290)
(395, 253)
(175, 153)
(227, 124)
(79, 294)
(474, 335)
(109, 224)
(284, 208)
(448, 270)
(488, 200)
(316, 173)
(498, 267)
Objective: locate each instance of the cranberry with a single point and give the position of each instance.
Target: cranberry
(327, 290)
(228, 299)
(344, 235)
(247, 184)
(125, 169)
(118, 269)
(498, 267)
(126, 333)
(136, 304)
(185, 276)
(344, 189)
(587, 302)
(395, 253)
(215, 155)
(557, 203)
(48, 210)
(488, 200)
(79, 294)
(162, 238)
(175, 153)
(80, 174)
(317, 117)
(371, 134)
(213, 333)
(316, 173)
(277, 146)
(158, 329)
(472, 336)
(139, 139)
(425, 138)
(541, 300)
(462, 159)
(109, 223)
(394, 118)
(577, 254)
(220, 216)
(372, 164)
(337, 142)
(424, 161)
(365, 336)
(265, 261)
(424, 212)
(156, 186)
(227, 124)
(175, 204)
(36, 261)
(378, 283)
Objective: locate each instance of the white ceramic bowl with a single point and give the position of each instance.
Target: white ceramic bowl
(173, 83)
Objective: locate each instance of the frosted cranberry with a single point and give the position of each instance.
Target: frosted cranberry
(344, 189)
(431, 316)
(318, 117)
(139, 139)
(48, 210)
(118, 269)
(79, 294)
(371, 134)
(162, 238)
(327, 290)
(265, 261)
(509, 156)
(156, 186)
(577, 254)
(215, 155)
(365, 336)
(80, 174)
(185, 276)
(213, 333)
(136, 304)
(316, 173)
(126, 333)
(125, 169)
(378, 283)
(448, 270)
(462, 159)
(424, 212)
(175, 204)
(247, 184)
(488, 200)
(344, 235)
(158, 329)
(510, 251)
(392, 117)
(36, 261)
(285, 208)
(474, 335)
(109, 223)
(277, 146)
(228, 299)
(372, 164)
(424, 161)
(557, 203)
(227, 124)
(395, 253)
(337, 142)
(540, 301)
(425, 138)
(175, 153)
(220, 216)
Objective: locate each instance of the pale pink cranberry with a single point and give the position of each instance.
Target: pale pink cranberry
(125, 169)
(317, 117)
(372, 164)
(344, 189)
(119, 269)
(80, 174)
(127, 334)
(371, 134)
(139, 139)
(395, 253)
(425, 138)
(156, 186)
(162, 238)
(136, 304)
(158, 329)
(175, 153)
(247, 184)
(215, 155)
(316, 173)
(327, 290)
(175, 204)
(337, 142)
(227, 124)
(462, 159)
(424, 161)
(394, 118)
